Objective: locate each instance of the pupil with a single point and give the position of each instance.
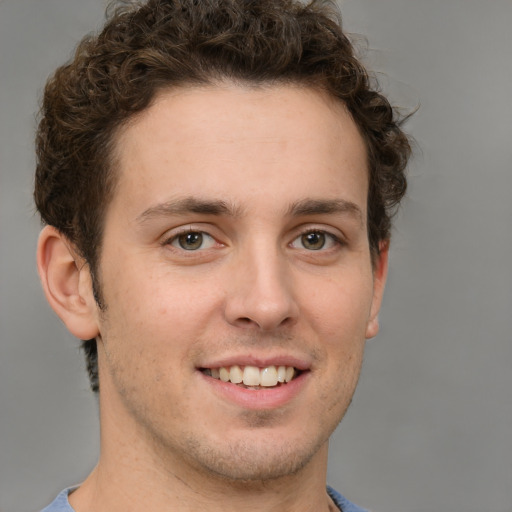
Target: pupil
(314, 241)
(191, 241)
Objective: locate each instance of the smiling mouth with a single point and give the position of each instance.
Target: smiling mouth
(252, 377)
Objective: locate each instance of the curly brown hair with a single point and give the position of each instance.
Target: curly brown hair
(159, 44)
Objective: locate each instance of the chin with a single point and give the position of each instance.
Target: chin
(254, 460)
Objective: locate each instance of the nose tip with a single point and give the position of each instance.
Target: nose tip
(262, 299)
(266, 317)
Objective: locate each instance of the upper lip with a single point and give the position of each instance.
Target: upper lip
(300, 363)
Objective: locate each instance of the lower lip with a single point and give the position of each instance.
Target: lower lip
(265, 398)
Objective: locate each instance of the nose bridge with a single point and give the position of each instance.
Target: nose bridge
(261, 292)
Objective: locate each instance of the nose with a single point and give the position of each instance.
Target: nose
(261, 293)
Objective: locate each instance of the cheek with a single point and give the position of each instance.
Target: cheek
(159, 310)
(340, 309)
(339, 318)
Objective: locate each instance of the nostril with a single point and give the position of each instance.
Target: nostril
(287, 321)
(262, 307)
(262, 324)
(245, 322)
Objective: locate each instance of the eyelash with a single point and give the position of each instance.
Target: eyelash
(189, 231)
(336, 240)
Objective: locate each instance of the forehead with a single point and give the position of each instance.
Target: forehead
(235, 143)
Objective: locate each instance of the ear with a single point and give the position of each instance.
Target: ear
(380, 273)
(67, 284)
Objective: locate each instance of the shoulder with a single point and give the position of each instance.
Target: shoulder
(60, 503)
(342, 503)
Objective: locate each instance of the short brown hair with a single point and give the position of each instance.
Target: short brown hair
(159, 44)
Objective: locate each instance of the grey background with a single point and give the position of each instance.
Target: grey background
(431, 423)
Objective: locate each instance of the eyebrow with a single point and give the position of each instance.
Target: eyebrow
(325, 206)
(189, 205)
(304, 207)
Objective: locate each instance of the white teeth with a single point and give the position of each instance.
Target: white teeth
(224, 374)
(269, 376)
(251, 376)
(236, 375)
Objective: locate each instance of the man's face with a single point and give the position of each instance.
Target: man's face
(236, 245)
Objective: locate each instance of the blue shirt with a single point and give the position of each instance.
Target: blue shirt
(61, 503)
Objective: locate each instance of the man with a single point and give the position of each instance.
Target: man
(217, 180)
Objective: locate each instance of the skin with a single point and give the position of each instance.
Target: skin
(251, 170)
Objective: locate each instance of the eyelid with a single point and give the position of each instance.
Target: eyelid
(319, 228)
(206, 240)
(172, 235)
(337, 239)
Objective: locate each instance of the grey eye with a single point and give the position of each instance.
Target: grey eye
(193, 240)
(313, 241)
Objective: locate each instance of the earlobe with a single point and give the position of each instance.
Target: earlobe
(66, 284)
(380, 273)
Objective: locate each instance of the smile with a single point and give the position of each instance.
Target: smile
(253, 377)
